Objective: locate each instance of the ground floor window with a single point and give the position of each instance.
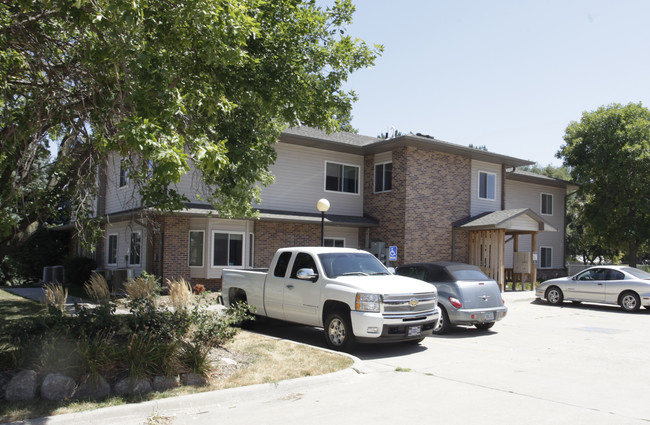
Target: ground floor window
(227, 249)
(335, 242)
(111, 252)
(546, 257)
(196, 248)
(135, 248)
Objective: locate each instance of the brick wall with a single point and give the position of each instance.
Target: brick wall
(438, 194)
(175, 247)
(430, 191)
(270, 236)
(387, 207)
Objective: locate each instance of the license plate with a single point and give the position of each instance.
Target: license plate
(489, 315)
(414, 330)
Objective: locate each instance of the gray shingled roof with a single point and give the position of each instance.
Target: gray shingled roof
(499, 220)
(530, 177)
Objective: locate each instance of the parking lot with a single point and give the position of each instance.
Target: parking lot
(570, 364)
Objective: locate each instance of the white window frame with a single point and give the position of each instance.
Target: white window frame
(334, 240)
(343, 165)
(139, 233)
(487, 182)
(108, 248)
(541, 257)
(383, 177)
(189, 248)
(243, 249)
(251, 250)
(541, 203)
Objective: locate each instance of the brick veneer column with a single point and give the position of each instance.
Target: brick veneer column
(270, 236)
(175, 242)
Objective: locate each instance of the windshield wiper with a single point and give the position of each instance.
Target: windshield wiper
(354, 274)
(379, 273)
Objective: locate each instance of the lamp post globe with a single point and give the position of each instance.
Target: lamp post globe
(323, 205)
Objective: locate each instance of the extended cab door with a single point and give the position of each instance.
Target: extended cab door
(301, 297)
(274, 286)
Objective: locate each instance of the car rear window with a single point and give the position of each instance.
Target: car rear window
(469, 275)
(637, 273)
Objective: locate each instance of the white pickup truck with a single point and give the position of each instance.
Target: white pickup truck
(348, 292)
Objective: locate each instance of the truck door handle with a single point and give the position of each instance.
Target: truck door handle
(290, 286)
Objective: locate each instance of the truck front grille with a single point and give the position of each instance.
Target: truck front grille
(401, 304)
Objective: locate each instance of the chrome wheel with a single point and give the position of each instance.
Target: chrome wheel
(443, 324)
(554, 296)
(336, 332)
(630, 301)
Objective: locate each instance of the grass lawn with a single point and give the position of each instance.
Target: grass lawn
(260, 359)
(14, 307)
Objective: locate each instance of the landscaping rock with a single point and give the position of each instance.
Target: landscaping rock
(22, 387)
(93, 388)
(193, 379)
(133, 386)
(57, 387)
(164, 383)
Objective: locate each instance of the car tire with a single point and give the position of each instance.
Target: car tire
(554, 295)
(338, 331)
(629, 301)
(443, 325)
(484, 326)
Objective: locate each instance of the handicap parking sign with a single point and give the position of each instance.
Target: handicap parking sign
(392, 253)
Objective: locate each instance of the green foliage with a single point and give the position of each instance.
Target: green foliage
(165, 85)
(78, 269)
(608, 153)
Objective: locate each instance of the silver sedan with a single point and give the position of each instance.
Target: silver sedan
(619, 285)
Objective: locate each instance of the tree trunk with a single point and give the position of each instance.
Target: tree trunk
(632, 253)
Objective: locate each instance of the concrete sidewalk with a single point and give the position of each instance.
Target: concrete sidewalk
(38, 294)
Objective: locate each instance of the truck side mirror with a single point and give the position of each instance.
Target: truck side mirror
(306, 274)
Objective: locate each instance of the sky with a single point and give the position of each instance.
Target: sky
(507, 75)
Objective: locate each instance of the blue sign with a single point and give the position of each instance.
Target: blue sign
(392, 253)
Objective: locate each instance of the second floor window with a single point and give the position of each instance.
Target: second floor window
(124, 174)
(486, 185)
(341, 178)
(547, 204)
(383, 177)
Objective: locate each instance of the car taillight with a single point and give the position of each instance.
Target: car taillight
(455, 302)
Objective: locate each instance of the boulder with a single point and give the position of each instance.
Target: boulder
(193, 379)
(93, 387)
(22, 386)
(57, 387)
(164, 383)
(132, 386)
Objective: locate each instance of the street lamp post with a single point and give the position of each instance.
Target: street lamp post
(323, 205)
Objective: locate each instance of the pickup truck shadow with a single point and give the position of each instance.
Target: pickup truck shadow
(316, 338)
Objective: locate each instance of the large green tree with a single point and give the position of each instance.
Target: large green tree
(608, 153)
(165, 84)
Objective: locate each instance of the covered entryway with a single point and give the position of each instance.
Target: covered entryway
(488, 233)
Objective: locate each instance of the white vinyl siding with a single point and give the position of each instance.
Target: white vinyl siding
(126, 247)
(299, 174)
(119, 198)
(528, 195)
(479, 203)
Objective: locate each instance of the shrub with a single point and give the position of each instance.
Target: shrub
(198, 289)
(180, 293)
(97, 288)
(145, 286)
(78, 269)
(56, 296)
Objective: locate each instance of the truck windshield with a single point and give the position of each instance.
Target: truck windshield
(348, 263)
